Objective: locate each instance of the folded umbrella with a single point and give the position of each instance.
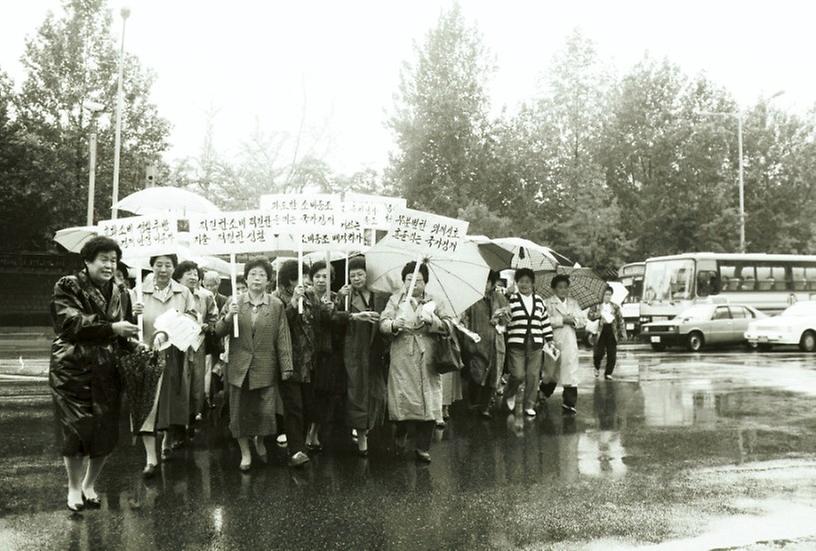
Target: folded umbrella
(586, 287)
(457, 279)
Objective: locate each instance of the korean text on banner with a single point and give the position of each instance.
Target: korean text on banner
(373, 211)
(348, 236)
(427, 233)
(142, 236)
(304, 211)
(249, 231)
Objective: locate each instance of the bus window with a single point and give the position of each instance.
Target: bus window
(708, 280)
(668, 280)
(799, 277)
(737, 276)
(771, 278)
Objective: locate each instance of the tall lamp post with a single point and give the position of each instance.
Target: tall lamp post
(739, 116)
(119, 104)
(94, 109)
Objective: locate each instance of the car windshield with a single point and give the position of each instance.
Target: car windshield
(699, 312)
(800, 310)
(668, 280)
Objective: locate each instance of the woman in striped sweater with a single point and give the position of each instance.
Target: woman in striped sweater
(528, 332)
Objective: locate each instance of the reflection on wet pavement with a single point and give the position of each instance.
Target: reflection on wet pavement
(657, 456)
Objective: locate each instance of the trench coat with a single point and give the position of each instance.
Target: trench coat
(565, 370)
(484, 361)
(172, 402)
(302, 328)
(414, 386)
(208, 312)
(364, 357)
(82, 373)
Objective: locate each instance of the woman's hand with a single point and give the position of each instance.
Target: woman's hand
(138, 309)
(569, 320)
(367, 317)
(125, 329)
(344, 291)
(298, 293)
(233, 311)
(426, 317)
(159, 339)
(398, 325)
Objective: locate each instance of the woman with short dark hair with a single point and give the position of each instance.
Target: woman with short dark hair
(414, 385)
(93, 322)
(611, 330)
(566, 316)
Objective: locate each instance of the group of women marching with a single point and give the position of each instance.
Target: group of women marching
(302, 354)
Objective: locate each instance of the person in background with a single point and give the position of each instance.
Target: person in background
(501, 286)
(213, 345)
(171, 406)
(260, 360)
(297, 392)
(414, 385)
(363, 354)
(484, 360)
(566, 316)
(240, 284)
(212, 282)
(93, 322)
(120, 276)
(612, 330)
(528, 332)
(189, 274)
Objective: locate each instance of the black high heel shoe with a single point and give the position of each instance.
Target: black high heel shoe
(91, 503)
(76, 508)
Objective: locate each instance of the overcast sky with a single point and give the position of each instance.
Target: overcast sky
(256, 61)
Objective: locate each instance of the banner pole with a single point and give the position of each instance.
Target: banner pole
(412, 285)
(140, 300)
(300, 269)
(234, 281)
(348, 295)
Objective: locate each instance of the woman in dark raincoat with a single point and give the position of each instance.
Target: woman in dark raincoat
(93, 320)
(363, 355)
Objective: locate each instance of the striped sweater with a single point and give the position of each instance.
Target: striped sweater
(537, 322)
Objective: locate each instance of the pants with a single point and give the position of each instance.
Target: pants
(296, 399)
(525, 368)
(480, 396)
(606, 345)
(569, 396)
(423, 432)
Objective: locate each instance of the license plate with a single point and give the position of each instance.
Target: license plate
(630, 326)
(660, 318)
(656, 339)
(763, 339)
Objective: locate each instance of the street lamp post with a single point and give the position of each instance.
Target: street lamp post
(93, 108)
(119, 101)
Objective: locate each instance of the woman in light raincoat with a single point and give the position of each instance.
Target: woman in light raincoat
(565, 317)
(414, 385)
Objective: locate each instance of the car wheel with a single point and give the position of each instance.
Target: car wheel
(695, 341)
(808, 342)
(658, 347)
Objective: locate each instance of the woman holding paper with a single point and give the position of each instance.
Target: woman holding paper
(566, 316)
(189, 274)
(363, 354)
(171, 405)
(260, 359)
(412, 319)
(612, 330)
(93, 322)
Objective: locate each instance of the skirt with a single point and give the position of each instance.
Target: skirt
(252, 412)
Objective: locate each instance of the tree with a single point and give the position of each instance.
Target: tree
(440, 120)
(70, 62)
(485, 222)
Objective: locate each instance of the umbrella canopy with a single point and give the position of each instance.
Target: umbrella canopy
(619, 292)
(527, 254)
(497, 257)
(457, 280)
(211, 263)
(166, 199)
(74, 238)
(585, 285)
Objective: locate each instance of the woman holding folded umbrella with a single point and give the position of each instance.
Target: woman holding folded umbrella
(93, 321)
(170, 410)
(414, 385)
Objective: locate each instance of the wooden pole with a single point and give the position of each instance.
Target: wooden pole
(348, 295)
(140, 300)
(234, 281)
(300, 270)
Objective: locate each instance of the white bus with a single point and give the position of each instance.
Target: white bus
(631, 275)
(768, 282)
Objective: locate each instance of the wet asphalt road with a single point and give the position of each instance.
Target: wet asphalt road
(682, 451)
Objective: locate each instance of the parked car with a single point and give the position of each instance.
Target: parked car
(701, 325)
(796, 325)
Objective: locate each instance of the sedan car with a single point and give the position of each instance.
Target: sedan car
(796, 325)
(701, 325)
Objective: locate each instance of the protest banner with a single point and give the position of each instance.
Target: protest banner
(249, 231)
(303, 210)
(373, 211)
(143, 236)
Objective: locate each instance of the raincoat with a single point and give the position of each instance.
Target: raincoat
(565, 371)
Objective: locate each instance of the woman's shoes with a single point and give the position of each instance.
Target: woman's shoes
(441, 424)
(149, 470)
(91, 502)
(362, 453)
(423, 457)
(244, 467)
(530, 412)
(298, 460)
(76, 508)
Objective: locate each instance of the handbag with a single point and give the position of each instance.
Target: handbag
(447, 354)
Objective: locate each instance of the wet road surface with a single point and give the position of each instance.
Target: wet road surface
(681, 451)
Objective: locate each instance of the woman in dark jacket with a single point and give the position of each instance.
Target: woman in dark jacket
(93, 319)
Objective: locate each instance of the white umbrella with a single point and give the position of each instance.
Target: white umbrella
(166, 199)
(74, 238)
(457, 280)
(619, 292)
(528, 254)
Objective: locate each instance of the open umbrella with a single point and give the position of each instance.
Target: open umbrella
(497, 257)
(457, 279)
(74, 238)
(528, 254)
(166, 199)
(585, 285)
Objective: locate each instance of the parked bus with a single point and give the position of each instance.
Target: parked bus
(631, 275)
(768, 282)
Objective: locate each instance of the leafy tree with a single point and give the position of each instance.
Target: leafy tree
(483, 221)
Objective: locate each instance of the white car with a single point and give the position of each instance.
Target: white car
(796, 325)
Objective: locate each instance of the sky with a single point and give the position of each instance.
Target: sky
(256, 64)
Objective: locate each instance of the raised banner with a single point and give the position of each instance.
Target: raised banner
(249, 231)
(373, 211)
(424, 232)
(143, 236)
(348, 236)
(304, 211)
